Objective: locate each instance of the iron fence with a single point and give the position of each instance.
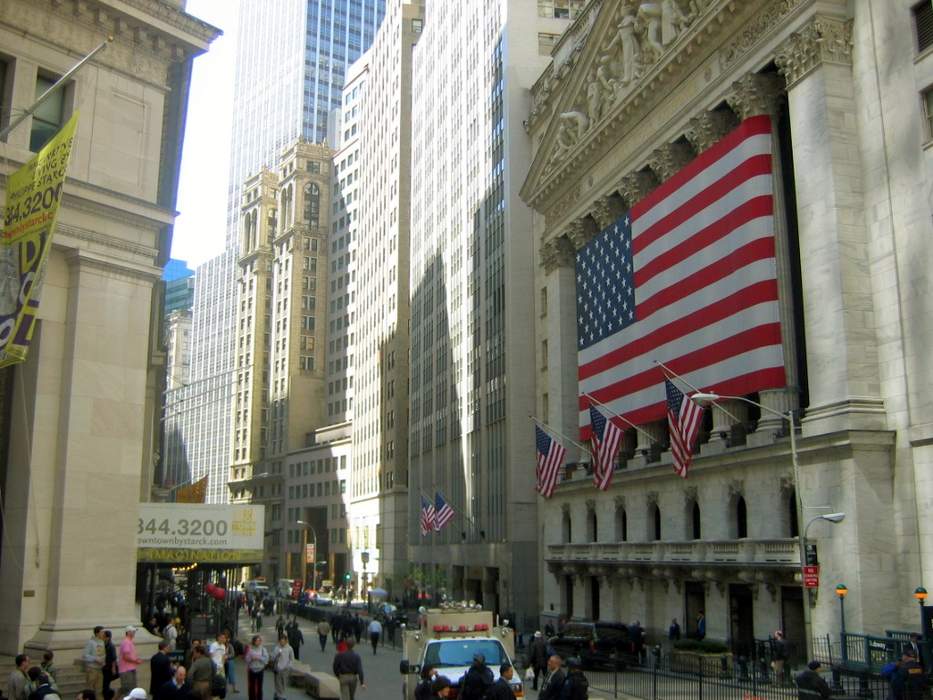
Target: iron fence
(668, 679)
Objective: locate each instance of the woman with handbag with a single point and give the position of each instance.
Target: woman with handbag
(282, 659)
(256, 658)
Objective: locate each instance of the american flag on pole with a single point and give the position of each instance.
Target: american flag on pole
(686, 277)
(550, 458)
(684, 417)
(606, 437)
(443, 512)
(427, 516)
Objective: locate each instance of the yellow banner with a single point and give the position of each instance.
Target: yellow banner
(33, 196)
(192, 493)
(167, 555)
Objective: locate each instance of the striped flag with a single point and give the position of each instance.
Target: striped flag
(443, 512)
(686, 277)
(606, 437)
(550, 458)
(427, 516)
(684, 417)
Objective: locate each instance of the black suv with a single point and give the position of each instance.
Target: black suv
(596, 644)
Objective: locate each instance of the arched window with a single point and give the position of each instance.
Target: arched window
(621, 525)
(741, 519)
(565, 528)
(312, 210)
(695, 516)
(656, 523)
(793, 530)
(591, 524)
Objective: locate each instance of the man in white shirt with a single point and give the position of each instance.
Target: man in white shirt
(375, 631)
(218, 653)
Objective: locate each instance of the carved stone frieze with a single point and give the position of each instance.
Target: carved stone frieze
(755, 94)
(606, 210)
(652, 498)
(707, 128)
(669, 158)
(581, 231)
(823, 40)
(557, 252)
(635, 186)
(590, 505)
(619, 501)
(736, 488)
(768, 18)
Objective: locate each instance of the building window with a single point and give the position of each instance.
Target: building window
(544, 354)
(566, 532)
(741, 519)
(656, 522)
(621, 525)
(312, 213)
(928, 112)
(793, 530)
(6, 92)
(923, 24)
(417, 25)
(592, 526)
(49, 117)
(695, 516)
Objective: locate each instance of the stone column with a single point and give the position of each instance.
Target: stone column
(649, 440)
(754, 95)
(666, 160)
(560, 322)
(726, 414)
(842, 357)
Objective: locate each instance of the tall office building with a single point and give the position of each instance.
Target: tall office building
(472, 379)
(379, 332)
(289, 74)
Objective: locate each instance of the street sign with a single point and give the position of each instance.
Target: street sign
(296, 589)
(810, 554)
(309, 553)
(811, 576)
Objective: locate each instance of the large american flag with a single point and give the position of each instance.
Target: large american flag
(684, 417)
(427, 516)
(687, 277)
(443, 511)
(550, 458)
(606, 437)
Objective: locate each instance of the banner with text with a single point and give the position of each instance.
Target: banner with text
(33, 196)
(196, 532)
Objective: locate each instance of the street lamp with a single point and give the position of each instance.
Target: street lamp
(920, 595)
(705, 396)
(304, 553)
(841, 593)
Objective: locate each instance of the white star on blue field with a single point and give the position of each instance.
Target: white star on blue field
(605, 287)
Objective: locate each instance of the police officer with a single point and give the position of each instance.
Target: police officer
(909, 683)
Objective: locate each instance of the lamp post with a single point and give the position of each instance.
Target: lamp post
(789, 417)
(920, 595)
(841, 593)
(304, 552)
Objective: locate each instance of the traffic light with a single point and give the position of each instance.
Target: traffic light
(347, 576)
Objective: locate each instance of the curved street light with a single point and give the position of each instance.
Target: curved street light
(304, 555)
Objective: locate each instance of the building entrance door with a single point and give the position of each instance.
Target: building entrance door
(694, 604)
(792, 623)
(742, 621)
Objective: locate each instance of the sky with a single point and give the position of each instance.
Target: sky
(202, 189)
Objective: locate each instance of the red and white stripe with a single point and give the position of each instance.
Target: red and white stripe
(548, 469)
(705, 286)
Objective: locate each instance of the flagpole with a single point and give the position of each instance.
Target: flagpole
(559, 434)
(696, 389)
(643, 433)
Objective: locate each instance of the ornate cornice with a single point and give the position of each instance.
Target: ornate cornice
(605, 210)
(822, 40)
(580, 232)
(707, 128)
(669, 158)
(636, 186)
(109, 242)
(755, 94)
(768, 18)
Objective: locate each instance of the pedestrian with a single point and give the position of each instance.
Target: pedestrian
(909, 682)
(375, 631)
(348, 668)
(477, 680)
(257, 617)
(93, 657)
(229, 659)
(423, 689)
(200, 673)
(553, 679)
(342, 644)
(256, 658)
(137, 694)
(916, 646)
(537, 656)
(109, 672)
(778, 656)
(575, 686)
(502, 689)
(358, 626)
(280, 626)
(41, 685)
(127, 662)
(673, 632)
(176, 688)
(218, 653)
(170, 634)
(701, 626)
(17, 684)
(48, 666)
(295, 637)
(323, 631)
(810, 680)
(549, 630)
(335, 628)
(440, 688)
(189, 657)
(160, 668)
(282, 659)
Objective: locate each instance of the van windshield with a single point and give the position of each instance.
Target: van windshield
(585, 631)
(459, 652)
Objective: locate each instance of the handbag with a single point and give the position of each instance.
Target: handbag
(529, 674)
(218, 685)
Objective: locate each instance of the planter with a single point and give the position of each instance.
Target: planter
(702, 663)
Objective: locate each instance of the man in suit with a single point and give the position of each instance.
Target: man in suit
(916, 646)
(160, 666)
(553, 679)
(176, 688)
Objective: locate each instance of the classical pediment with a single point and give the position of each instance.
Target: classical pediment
(633, 52)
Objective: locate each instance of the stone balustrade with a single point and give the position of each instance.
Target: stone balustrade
(765, 553)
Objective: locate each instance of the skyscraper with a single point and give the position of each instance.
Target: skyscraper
(291, 60)
(472, 374)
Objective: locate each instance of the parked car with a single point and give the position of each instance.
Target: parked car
(596, 644)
